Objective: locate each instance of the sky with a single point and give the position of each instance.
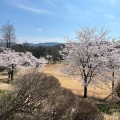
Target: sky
(39, 21)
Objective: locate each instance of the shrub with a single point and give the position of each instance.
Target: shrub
(30, 90)
(38, 96)
(2, 68)
(67, 106)
(86, 110)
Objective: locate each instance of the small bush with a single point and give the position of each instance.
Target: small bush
(85, 110)
(64, 105)
(2, 68)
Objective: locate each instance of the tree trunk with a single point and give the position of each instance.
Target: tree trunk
(112, 86)
(7, 44)
(12, 72)
(8, 74)
(12, 75)
(85, 91)
(113, 82)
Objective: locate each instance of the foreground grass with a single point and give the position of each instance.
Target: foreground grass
(109, 108)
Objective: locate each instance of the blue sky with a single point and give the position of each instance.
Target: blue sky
(53, 20)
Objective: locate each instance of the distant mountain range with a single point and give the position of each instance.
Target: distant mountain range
(50, 44)
(45, 44)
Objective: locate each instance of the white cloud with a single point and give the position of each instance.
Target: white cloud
(111, 17)
(39, 29)
(26, 6)
(39, 11)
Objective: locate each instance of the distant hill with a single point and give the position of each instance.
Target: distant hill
(45, 44)
(49, 44)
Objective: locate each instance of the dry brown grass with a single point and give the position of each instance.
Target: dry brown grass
(115, 116)
(5, 86)
(73, 84)
(67, 82)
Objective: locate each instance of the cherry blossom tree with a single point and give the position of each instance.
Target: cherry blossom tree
(113, 62)
(10, 58)
(86, 55)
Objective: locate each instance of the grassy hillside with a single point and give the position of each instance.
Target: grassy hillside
(74, 84)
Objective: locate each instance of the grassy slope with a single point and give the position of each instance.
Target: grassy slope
(67, 82)
(73, 84)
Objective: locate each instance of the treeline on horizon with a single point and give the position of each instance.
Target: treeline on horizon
(49, 52)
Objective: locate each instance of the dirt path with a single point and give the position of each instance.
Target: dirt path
(74, 85)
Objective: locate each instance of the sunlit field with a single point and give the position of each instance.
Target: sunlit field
(74, 83)
(3, 84)
(68, 82)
